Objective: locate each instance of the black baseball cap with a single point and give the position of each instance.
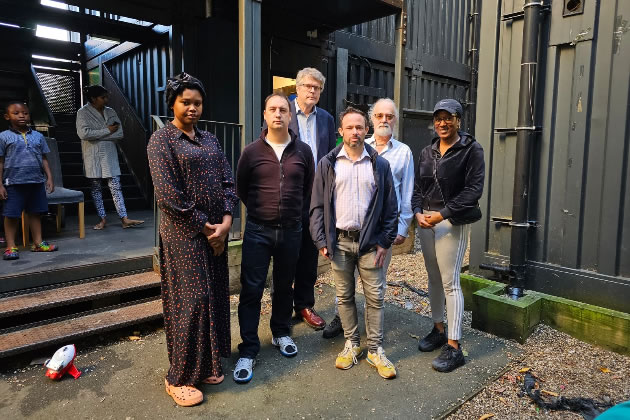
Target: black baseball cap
(449, 105)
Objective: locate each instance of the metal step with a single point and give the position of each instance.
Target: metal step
(66, 330)
(67, 295)
(16, 284)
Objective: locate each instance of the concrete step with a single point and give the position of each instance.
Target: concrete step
(12, 306)
(63, 331)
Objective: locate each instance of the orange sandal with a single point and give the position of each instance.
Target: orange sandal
(186, 396)
(213, 380)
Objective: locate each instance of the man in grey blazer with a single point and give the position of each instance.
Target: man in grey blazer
(315, 127)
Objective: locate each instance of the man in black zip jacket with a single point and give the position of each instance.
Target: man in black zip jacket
(274, 179)
(354, 218)
(315, 127)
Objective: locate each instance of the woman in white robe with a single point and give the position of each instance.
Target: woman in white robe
(99, 128)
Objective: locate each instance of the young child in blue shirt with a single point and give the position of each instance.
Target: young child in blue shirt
(25, 176)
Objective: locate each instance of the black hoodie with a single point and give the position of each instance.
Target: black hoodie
(460, 174)
(276, 191)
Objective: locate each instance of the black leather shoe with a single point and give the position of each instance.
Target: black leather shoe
(434, 340)
(334, 328)
(450, 359)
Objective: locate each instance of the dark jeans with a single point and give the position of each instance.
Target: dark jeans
(260, 243)
(305, 274)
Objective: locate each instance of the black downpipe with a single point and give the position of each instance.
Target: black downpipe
(524, 142)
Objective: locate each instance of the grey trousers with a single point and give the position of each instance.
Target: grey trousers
(388, 259)
(345, 260)
(443, 248)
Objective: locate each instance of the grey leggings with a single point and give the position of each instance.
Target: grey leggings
(443, 248)
(115, 189)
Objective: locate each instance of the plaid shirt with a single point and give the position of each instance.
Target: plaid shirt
(400, 160)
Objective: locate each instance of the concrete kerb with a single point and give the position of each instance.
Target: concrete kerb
(507, 318)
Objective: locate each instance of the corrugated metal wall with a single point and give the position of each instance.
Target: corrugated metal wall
(437, 63)
(142, 74)
(580, 191)
(440, 28)
(437, 52)
(381, 30)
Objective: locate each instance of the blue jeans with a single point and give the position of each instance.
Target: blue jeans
(260, 243)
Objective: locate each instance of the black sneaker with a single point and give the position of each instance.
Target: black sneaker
(434, 340)
(334, 328)
(450, 359)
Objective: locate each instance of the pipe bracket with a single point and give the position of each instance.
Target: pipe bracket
(508, 222)
(504, 130)
(534, 3)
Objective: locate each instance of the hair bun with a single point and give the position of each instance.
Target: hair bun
(177, 84)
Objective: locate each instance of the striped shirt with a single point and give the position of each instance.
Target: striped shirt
(354, 188)
(308, 128)
(400, 160)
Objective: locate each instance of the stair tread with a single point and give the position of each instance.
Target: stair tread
(15, 305)
(63, 331)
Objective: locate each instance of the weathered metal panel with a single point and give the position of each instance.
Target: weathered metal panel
(380, 30)
(580, 247)
(489, 36)
(142, 74)
(440, 28)
(437, 53)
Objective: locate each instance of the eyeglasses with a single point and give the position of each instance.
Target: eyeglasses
(448, 120)
(311, 87)
(389, 117)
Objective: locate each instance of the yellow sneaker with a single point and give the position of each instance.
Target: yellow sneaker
(348, 357)
(378, 360)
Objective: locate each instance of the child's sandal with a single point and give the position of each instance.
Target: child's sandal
(44, 247)
(11, 254)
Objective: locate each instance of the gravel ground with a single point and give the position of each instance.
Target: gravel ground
(563, 365)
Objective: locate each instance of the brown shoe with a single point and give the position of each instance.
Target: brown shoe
(312, 318)
(127, 223)
(214, 380)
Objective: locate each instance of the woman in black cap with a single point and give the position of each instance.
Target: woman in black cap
(448, 185)
(194, 189)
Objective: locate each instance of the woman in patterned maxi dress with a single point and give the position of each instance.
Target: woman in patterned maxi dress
(194, 188)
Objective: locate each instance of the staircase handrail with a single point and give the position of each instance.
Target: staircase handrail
(169, 118)
(139, 165)
(40, 92)
(157, 122)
